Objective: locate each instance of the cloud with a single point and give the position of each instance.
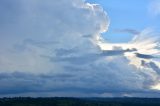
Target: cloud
(154, 8)
(130, 31)
(152, 65)
(51, 47)
(144, 56)
(41, 28)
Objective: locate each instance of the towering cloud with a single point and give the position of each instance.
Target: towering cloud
(55, 48)
(32, 30)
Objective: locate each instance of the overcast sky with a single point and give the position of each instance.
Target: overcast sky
(77, 48)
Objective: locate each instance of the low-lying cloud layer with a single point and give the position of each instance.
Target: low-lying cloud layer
(54, 48)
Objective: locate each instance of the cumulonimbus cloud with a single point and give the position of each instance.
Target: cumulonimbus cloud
(53, 47)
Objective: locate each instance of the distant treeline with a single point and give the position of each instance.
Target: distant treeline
(62, 101)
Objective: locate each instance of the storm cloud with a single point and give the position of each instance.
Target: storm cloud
(50, 48)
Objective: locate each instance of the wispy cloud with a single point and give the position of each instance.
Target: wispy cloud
(154, 8)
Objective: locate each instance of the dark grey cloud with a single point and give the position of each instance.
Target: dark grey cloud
(117, 52)
(145, 56)
(96, 79)
(17, 82)
(155, 67)
(151, 65)
(130, 31)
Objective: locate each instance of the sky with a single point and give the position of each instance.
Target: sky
(127, 14)
(77, 48)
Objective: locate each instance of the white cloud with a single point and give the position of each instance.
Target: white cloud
(62, 23)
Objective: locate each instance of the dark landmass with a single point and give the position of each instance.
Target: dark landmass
(57, 101)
